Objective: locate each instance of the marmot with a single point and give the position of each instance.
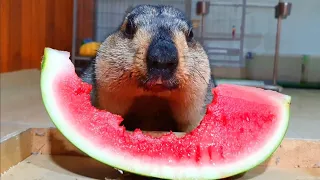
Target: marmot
(152, 71)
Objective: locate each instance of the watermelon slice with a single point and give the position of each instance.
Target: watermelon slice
(242, 127)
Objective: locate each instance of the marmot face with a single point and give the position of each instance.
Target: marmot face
(152, 52)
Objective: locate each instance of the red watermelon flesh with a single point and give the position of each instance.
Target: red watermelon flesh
(242, 127)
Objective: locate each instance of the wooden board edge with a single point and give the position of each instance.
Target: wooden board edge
(15, 149)
(51, 141)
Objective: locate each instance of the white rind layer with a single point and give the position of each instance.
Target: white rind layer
(58, 61)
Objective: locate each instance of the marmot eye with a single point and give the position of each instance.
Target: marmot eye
(190, 35)
(130, 29)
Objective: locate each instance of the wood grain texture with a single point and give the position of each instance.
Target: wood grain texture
(26, 38)
(86, 20)
(4, 34)
(27, 26)
(15, 150)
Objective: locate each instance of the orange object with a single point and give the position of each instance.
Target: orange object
(89, 49)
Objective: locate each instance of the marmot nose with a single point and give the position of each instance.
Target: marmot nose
(162, 57)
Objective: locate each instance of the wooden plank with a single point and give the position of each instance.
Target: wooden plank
(14, 62)
(50, 23)
(15, 150)
(4, 34)
(50, 141)
(27, 26)
(26, 34)
(38, 31)
(63, 25)
(86, 21)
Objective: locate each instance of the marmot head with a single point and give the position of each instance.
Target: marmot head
(152, 52)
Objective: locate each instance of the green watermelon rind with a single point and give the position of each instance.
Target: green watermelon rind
(55, 61)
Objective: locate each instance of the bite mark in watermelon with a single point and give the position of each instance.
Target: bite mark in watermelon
(242, 127)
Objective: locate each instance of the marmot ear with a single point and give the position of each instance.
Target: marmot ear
(189, 35)
(125, 18)
(130, 28)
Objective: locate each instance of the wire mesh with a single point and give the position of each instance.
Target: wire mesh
(110, 13)
(224, 47)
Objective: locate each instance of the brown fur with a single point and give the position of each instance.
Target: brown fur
(121, 63)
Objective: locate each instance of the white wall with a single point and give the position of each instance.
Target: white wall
(301, 31)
